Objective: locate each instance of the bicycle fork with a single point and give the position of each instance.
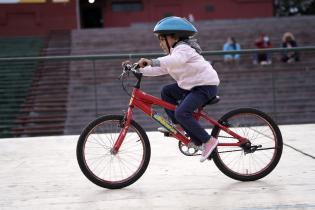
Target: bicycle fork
(125, 124)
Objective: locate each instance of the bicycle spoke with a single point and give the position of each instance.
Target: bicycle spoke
(255, 159)
(106, 165)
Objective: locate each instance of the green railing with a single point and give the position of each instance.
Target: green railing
(93, 64)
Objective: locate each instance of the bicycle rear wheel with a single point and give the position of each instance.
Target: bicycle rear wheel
(102, 166)
(259, 158)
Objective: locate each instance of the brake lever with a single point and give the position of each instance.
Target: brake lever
(133, 68)
(126, 68)
(121, 75)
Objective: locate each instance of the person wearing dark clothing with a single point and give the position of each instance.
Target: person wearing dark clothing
(263, 42)
(288, 41)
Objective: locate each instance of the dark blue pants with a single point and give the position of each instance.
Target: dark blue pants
(187, 102)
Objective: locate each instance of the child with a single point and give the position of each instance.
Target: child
(196, 80)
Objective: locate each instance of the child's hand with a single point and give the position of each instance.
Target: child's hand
(143, 62)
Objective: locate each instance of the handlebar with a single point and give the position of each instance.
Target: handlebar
(130, 68)
(134, 68)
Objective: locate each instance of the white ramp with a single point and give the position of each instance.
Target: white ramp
(42, 173)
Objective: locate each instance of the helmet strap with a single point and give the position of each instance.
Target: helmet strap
(167, 44)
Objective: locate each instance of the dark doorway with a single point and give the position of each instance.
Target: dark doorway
(91, 15)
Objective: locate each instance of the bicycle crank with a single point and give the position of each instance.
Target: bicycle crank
(190, 149)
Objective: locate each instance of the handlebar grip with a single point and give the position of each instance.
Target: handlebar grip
(136, 65)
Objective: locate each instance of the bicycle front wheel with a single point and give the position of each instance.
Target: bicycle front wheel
(101, 165)
(259, 158)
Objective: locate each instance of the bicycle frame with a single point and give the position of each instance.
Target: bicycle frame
(144, 102)
(119, 162)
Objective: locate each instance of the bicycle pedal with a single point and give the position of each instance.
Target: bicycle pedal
(167, 134)
(210, 157)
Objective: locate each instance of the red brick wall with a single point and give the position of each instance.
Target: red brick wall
(222, 9)
(40, 18)
(37, 18)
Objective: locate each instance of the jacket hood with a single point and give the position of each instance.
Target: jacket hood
(192, 43)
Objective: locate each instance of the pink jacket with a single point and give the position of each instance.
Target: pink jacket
(186, 66)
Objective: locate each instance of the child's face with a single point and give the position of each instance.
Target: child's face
(171, 41)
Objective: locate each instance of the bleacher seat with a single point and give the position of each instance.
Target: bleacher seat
(61, 98)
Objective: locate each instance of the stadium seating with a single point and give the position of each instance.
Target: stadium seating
(66, 95)
(276, 89)
(16, 78)
(44, 110)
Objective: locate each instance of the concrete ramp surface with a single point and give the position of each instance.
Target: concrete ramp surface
(42, 173)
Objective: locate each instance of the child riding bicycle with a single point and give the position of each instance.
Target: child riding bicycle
(196, 80)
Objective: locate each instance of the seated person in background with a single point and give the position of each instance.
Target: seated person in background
(288, 41)
(231, 45)
(263, 42)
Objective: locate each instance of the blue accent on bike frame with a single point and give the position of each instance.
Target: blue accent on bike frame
(175, 25)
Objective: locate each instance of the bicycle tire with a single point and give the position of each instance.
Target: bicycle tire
(101, 134)
(265, 130)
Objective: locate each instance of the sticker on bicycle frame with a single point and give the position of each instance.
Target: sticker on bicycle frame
(163, 122)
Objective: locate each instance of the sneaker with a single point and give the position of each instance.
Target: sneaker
(208, 148)
(263, 63)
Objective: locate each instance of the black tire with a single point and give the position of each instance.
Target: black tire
(121, 169)
(259, 129)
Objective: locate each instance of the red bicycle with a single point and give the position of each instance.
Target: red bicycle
(113, 151)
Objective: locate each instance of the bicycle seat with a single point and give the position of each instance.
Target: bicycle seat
(213, 100)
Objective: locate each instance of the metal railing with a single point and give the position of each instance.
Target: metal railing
(151, 55)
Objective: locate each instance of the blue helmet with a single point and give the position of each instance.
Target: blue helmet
(175, 25)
